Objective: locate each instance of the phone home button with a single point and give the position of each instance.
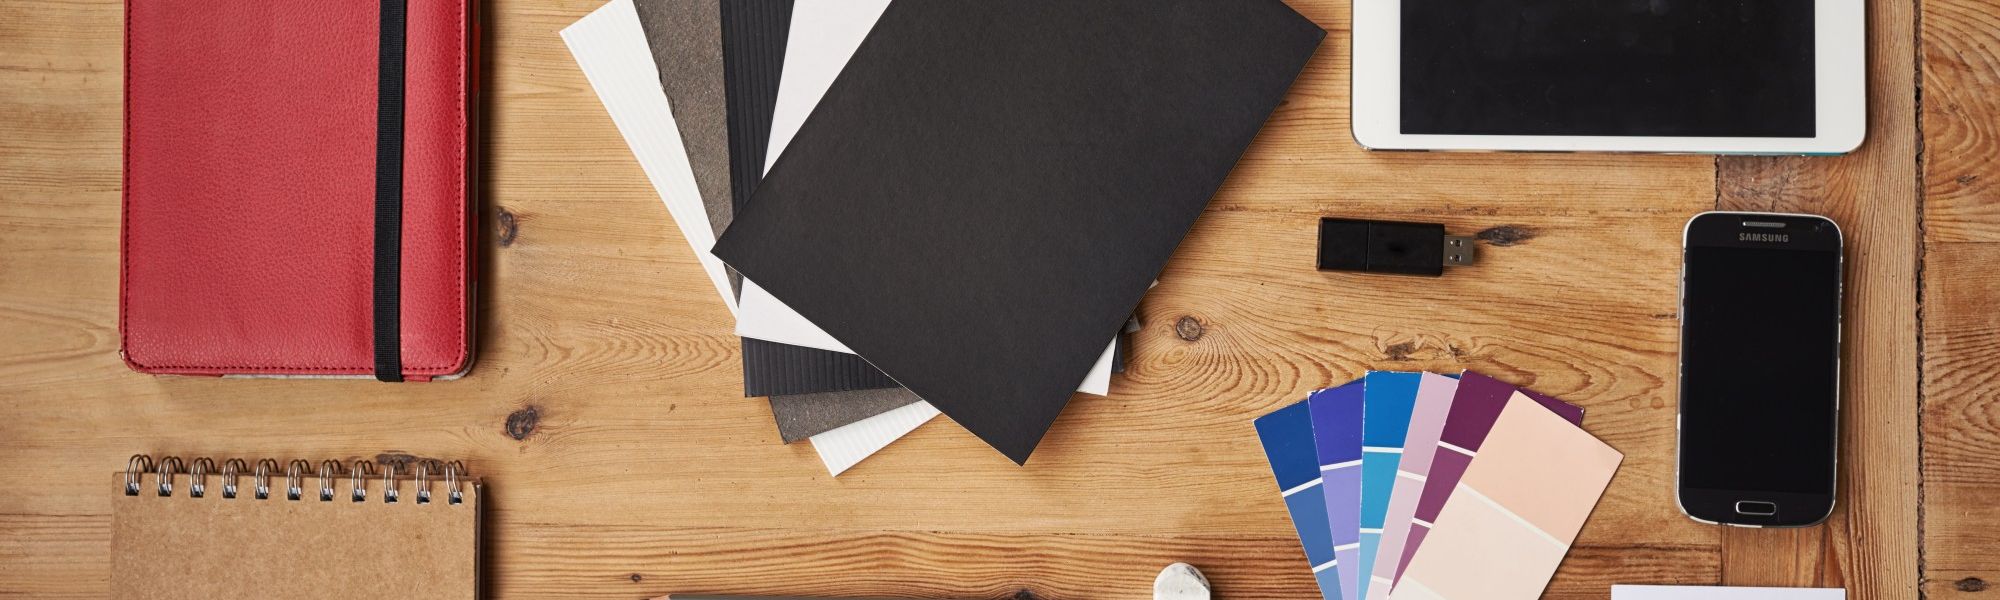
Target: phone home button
(1756, 509)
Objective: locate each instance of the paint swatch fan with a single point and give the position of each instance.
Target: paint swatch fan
(1419, 486)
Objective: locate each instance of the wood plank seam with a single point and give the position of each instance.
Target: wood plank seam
(1923, 249)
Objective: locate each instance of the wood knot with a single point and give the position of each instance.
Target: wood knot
(521, 423)
(509, 227)
(1507, 235)
(636, 578)
(1971, 584)
(1025, 594)
(402, 461)
(1400, 351)
(1967, 179)
(1188, 328)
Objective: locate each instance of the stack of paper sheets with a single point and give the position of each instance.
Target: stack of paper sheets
(661, 70)
(1416, 486)
(710, 95)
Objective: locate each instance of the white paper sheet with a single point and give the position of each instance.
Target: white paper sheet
(1694, 592)
(824, 35)
(846, 445)
(610, 47)
(814, 56)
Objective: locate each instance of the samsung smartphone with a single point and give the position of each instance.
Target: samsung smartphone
(1760, 369)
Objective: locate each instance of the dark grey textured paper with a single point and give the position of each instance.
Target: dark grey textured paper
(988, 188)
(753, 46)
(738, 85)
(1118, 349)
(771, 368)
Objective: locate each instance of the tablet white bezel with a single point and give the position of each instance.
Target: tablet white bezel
(1840, 82)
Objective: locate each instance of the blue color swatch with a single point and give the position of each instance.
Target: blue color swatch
(1288, 443)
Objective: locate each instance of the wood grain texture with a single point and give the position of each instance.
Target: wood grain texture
(1961, 336)
(642, 471)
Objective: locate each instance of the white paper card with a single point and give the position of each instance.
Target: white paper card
(610, 47)
(1697, 592)
(846, 445)
(814, 55)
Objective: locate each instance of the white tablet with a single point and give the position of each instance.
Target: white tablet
(1702, 76)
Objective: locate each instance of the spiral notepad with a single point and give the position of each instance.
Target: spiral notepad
(298, 530)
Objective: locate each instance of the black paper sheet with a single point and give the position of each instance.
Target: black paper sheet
(988, 188)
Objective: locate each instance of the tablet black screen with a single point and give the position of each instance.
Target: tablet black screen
(1704, 68)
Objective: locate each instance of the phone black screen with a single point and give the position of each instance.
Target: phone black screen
(1760, 344)
(1703, 68)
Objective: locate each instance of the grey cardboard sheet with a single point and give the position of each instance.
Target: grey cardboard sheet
(1034, 162)
(686, 39)
(802, 416)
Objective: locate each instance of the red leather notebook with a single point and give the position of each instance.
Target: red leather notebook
(298, 188)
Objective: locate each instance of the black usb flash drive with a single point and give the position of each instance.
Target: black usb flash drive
(1391, 247)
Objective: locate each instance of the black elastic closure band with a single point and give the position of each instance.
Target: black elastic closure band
(389, 194)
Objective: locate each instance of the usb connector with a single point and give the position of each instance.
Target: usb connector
(1391, 247)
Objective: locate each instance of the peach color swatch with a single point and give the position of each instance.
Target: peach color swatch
(1514, 514)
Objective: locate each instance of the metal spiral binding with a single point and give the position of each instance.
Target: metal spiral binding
(451, 472)
(139, 463)
(328, 470)
(169, 467)
(357, 479)
(424, 482)
(389, 493)
(263, 479)
(198, 477)
(295, 476)
(296, 471)
(230, 468)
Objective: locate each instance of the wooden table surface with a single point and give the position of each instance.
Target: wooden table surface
(621, 462)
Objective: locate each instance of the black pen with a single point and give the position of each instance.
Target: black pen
(702, 597)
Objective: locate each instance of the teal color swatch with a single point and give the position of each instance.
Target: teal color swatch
(1387, 399)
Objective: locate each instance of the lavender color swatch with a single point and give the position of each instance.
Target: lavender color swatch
(1434, 396)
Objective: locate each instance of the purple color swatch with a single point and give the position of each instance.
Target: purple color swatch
(1336, 419)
